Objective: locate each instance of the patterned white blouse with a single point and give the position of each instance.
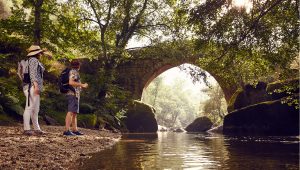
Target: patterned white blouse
(36, 70)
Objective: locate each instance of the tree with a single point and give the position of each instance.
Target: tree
(247, 46)
(37, 4)
(116, 22)
(173, 104)
(156, 83)
(119, 21)
(215, 107)
(4, 10)
(51, 24)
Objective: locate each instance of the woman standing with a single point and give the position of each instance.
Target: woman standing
(32, 90)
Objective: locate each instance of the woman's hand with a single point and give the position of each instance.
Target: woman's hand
(84, 85)
(36, 89)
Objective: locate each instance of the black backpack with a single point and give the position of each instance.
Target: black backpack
(64, 86)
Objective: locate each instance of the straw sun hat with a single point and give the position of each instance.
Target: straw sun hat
(33, 50)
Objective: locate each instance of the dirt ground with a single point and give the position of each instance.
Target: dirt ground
(50, 151)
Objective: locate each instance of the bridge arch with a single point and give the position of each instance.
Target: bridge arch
(135, 75)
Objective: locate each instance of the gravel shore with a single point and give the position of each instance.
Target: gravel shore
(50, 151)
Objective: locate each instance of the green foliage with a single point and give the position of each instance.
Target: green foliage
(106, 119)
(233, 99)
(17, 27)
(61, 31)
(11, 94)
(173, 104)
(120, 115)
(11, 88)
(87, 120)
(215, 108)
(173, 50)
(234, 45)
(15, 109)
(86, 108)
(52, 100)
(245, 47)
(288, 88)
(6, 120)
(57, 115)
(292, 101)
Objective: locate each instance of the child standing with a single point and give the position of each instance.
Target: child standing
(73, 96)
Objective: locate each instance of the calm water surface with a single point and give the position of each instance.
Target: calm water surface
(169, 150)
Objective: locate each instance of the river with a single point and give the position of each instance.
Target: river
(170, 150)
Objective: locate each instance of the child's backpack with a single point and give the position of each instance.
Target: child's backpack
(64, 86)
(22, 72)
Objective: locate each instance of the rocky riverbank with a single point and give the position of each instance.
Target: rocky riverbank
(50, 151)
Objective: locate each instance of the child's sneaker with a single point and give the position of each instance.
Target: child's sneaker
(77, 133)
(68, 133)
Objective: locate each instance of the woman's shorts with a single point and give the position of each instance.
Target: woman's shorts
(73, 104)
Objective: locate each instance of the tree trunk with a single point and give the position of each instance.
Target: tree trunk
(37, 22)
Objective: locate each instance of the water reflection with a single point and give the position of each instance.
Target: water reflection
(197, 151)
(263, 153)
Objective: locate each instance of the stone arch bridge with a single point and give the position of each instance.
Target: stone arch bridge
(135, 75)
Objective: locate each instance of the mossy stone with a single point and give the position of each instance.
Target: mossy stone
(266, 118)
(140, 117)
(248, 95)
(232, 100)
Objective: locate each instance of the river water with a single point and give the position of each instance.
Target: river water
(170, 150)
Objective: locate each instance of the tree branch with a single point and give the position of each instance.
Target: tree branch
(120, 37)
(96, 14)
(128, 34)
(89, 19)
(108, 14)
(152, 25)
(254, 24)
(101, 27)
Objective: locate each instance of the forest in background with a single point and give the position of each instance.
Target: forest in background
(178, 103)
(241, 46)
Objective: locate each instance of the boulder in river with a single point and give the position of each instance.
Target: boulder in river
(262, 92)
(140, 117)
(178, 130)
(267, 118)
(249, 95)
(201, 124)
